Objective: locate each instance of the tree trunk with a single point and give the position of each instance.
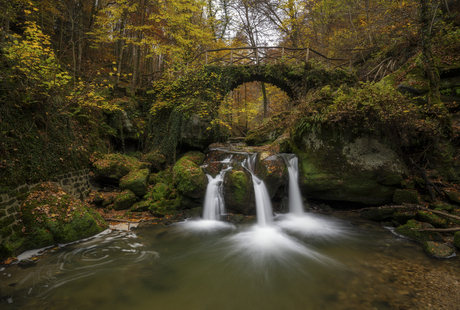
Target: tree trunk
(434, 96)
(264, 95)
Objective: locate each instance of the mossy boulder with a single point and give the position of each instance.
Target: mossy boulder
(410, 230)
(341, 166)
(164, 206)
(49, 215)
(378, 214)
(124, 200)
(437, 250)
(195, 157)
(239, 192)
(403, 216)
(402, 196)
(267, 132)
(136, 181)
(189, 178)
(441, 207)
(457, 240)
(110, 168)
(140, 206)
(453, 196)
(156, 160)
(433, 219)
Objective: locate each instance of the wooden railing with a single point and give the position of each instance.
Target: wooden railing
(269, 54)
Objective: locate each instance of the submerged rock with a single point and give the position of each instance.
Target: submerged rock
(437, 250)
(378, 214)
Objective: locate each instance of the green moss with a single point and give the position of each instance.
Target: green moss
(239, 186)
(402, 196)
(433, 219)
(190, 180)
(136, 181)
(420, 236)
(403, 216)
(124, 200)
(112, 167)
(195, 157)
(457, 240)
(437, 250)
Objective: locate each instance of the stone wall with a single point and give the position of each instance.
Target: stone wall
(78, 184)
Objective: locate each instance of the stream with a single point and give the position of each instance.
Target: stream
(359, 265)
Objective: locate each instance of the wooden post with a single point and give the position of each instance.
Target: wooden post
(308, 55)
(231, 57)
(257, 56)
(206, 57)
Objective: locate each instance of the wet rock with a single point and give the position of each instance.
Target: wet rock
(340, 167)
(140, 206)
(238, 192)
(26, 263)
(402, 196)
(378, 214)
(438, 250)
(136, 181)
(453, 196)
(124, 200)
(272, 170)
(420, 236)
(457, 240)
(403, 216)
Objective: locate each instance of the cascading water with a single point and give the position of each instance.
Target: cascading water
(295, 199)
(214, 201)
(263, 203)
(213, 206)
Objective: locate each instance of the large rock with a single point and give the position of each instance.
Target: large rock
(124, 200)
(110, 168)
(340, 167)
(437, 250)
(189, 178)
(271, 168)
(239, 192)
(49, 215)
(136, 181)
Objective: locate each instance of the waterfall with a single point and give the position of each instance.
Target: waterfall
(295, 199)
(263, 202)
(213, 203)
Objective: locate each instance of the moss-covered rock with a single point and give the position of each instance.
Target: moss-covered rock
(190, 180)
(140, 206)
(136, 181)
(111, 168)
(164, 207)
(48, 216)
(342, 167)
(402, 196)
(457, 240)
(441, 207)
(239, 192)
(433, 219)
(453, 196)
(378, 214)
(437, 250)
(420, 236)
(156, 160)
(403, 216)
(124, 200)
(195, 157)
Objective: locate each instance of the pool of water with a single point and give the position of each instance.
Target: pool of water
(318, 262)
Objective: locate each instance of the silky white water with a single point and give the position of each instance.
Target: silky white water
(295, 198)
